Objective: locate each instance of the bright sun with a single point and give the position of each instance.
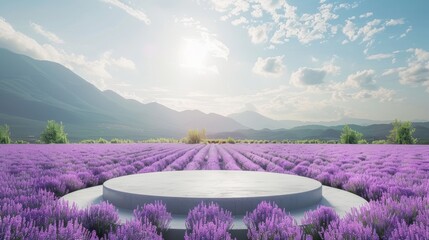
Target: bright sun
(194, 54)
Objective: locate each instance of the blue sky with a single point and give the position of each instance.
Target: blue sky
(303, 60)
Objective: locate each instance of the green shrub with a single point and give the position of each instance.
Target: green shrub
(195, 136)
(102, 141)
(54, 133)
(350, 136)
(230, 140)
(379, 142)
(88, 141)
(402, 133)
(4, 134)
(363, 141)
(118, 140)
(21, 142)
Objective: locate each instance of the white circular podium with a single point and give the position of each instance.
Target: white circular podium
(236, 191)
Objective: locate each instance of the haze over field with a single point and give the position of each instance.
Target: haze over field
(287, 60)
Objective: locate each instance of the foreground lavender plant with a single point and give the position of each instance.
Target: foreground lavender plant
(209, 222)
(17, 228)
(72, 230)
(316, 221)
(208, 231)
(156, 214)
(203, 213)
(136, 230)
(268, 221)
(101, 218)
(349, 230)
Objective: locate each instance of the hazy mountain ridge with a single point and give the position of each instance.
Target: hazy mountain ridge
(371, 132)
(257, 121)
(33, 91)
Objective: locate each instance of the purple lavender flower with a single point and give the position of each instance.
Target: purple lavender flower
(101, 218)
(71, 231)
(415, 231)
(204, 213)
(268, 221)
(349, 230)
(16, 228)
(208, 231)
(316, 221)
(135, 230)
(156, 213)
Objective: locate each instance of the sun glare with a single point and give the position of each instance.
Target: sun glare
(194, 54)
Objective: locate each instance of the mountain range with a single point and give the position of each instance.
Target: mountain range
(257, 121)
(34, 91)
(370, 132)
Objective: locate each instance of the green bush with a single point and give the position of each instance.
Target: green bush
(54, 133)
(363, 141)
(21, 142)
(350, 136)
(118, 140)
(379, 142)
(230, 140)
(4, 134)
(195, 136)
(102, 141)
(402, 133)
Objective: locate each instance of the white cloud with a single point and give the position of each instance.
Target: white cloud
(362, 79)
(394, 22)
(308, 76)
(366, 32)
(307, 27)
(96, 71)
(232, 7)
(366, 15)
(239, 21)
(286, 22)
(258, 34)
(138, 14)
(269, 67)
(271, 5)
(47, 34)
(380, 56)
(381, 94)
(417, 71)
(409, 29)
(370, 29)
(346, 6)
(214, 46)
(350, 31)
(208, 42)
(257, 11)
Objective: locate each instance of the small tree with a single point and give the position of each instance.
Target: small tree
(402, 133)
(350, 136)
(54, 133)
(4, 134)
(195, 136)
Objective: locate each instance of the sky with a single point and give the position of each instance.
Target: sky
(314, 60)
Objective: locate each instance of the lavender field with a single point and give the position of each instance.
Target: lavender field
(394, 178)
